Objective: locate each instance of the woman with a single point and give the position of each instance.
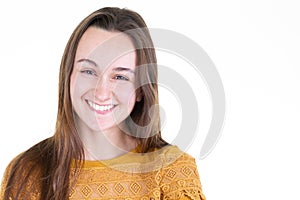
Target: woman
(107, 143)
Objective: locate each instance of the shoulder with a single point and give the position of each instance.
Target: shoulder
(30, 158)
(24, 172)
(15, 177)
(174, 151)
(175, 158)
(5, 178)
(179, 175)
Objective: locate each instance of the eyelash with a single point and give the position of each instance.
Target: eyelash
(89, 72)
(93, 73)
(122, 78)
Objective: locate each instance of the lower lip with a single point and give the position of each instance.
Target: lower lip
(99, 111)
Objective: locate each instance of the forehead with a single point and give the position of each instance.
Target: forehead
(105, 47)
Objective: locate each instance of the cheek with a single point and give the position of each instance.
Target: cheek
(132, 101)
(79, 85)
(127, 95)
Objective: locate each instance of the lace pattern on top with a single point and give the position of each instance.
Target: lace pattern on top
(170, 175)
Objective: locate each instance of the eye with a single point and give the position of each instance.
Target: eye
(120, 77)
(88, 72)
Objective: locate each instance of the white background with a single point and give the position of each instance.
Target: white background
(255, 46)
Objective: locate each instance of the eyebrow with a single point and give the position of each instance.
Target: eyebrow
(88, 61)
(118, 69)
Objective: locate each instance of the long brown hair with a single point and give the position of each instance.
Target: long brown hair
(47, 164)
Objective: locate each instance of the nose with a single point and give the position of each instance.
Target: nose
(103, 90)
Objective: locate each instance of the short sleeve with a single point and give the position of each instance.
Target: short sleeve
(181, 181)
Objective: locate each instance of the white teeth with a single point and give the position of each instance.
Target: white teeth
(100, 108)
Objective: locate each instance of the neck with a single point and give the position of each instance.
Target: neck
(104, 145)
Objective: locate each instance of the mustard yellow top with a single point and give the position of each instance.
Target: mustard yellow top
(167, 173)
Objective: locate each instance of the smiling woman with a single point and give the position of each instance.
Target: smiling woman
(107, 143)
(101, 87)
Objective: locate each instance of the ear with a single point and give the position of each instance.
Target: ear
(139, 95)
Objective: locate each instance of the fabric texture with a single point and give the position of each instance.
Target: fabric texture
(167, 173)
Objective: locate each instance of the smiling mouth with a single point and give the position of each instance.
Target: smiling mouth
(100, 108)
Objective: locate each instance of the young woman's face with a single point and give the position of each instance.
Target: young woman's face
(103, 79)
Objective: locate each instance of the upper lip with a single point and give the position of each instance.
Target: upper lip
(106, 104)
